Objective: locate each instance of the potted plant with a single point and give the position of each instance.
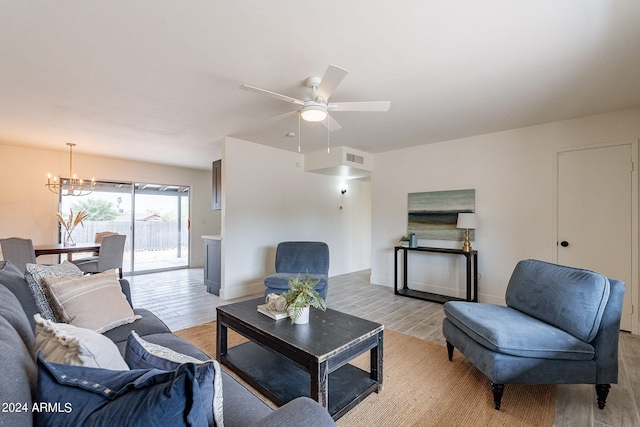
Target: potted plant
(404, 240)
(300, 296)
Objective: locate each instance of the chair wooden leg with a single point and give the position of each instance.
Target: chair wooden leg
(497, 389)
(450, 350)
(602, 390)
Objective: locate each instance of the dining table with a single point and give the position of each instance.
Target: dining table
(60, 248)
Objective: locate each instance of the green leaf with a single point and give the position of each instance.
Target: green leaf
(301, 294)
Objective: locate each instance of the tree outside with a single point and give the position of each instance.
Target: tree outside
(99, 209)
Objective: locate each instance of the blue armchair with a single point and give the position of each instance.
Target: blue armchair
(560, 326)
(293, 258)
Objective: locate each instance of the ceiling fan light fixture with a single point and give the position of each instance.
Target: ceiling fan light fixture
(316, 106)
(314, 113)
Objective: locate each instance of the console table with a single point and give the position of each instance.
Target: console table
(471, 270)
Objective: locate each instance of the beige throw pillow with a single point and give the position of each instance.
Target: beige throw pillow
(34, 275)
(70, 345)
(94, 302)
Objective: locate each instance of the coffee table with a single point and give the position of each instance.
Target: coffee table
(284, 361)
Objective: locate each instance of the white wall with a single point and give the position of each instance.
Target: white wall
(269, 198)
(512, 173)
(27, 208)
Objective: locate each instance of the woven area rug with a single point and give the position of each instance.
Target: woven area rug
(422, 388)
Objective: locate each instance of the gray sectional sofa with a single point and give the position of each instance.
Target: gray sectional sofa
(19, 370)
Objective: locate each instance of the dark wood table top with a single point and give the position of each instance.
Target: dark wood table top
(326, 333)
(59, 248)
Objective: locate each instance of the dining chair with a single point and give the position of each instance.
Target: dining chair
(98, 239)
(110, 256)
(18, 251)
(100, 235)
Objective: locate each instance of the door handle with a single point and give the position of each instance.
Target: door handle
(564, 243)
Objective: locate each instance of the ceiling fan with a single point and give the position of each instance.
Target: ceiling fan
(316, 107)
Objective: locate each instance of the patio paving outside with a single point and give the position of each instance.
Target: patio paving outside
(156, 260)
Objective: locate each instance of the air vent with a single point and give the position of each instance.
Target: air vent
(354, 158)
(341, 161)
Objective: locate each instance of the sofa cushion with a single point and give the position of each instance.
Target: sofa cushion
(13, 279)
(174, 343)
(493, 327)
(94, 302)
(141, 354)
(70, 345)
(147, 324)
(19, 375)
(34, 275)
(568, 298)
(102, 397)
(241, 407)
(11, 310)
(297, 412)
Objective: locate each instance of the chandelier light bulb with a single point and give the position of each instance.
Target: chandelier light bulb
(72, 186)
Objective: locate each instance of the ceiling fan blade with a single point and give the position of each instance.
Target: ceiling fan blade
(360, 106)
(331, 124)
(272, 94)
(331, 79)
(281, 117)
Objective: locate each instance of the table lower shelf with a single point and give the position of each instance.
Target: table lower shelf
(427, 296)
(282, 381)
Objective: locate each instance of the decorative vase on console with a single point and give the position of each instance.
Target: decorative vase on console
(404, 241)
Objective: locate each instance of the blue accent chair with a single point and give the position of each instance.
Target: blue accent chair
(293, 258)
(560, 326)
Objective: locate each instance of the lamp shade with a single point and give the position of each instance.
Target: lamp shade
(467, 220)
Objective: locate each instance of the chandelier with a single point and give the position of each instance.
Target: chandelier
(72, 186)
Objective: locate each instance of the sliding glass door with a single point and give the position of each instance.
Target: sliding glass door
(161, 227)
(154, 218)
(109, 208)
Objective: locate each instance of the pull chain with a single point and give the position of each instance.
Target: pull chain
(299, 115)
(328, 134)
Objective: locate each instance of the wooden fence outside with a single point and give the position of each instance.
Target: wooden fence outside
(150, 235)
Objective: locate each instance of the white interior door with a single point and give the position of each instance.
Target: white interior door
(595, 213)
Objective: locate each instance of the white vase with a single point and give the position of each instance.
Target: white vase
(303, 317)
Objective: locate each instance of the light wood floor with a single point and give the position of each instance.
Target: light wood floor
(180, 300)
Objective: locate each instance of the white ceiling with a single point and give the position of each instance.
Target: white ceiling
(158, 80)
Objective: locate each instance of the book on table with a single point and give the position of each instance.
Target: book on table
(264, 309)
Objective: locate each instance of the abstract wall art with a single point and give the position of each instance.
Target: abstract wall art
(434, 214)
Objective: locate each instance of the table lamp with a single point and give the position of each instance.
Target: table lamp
(467, 221)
